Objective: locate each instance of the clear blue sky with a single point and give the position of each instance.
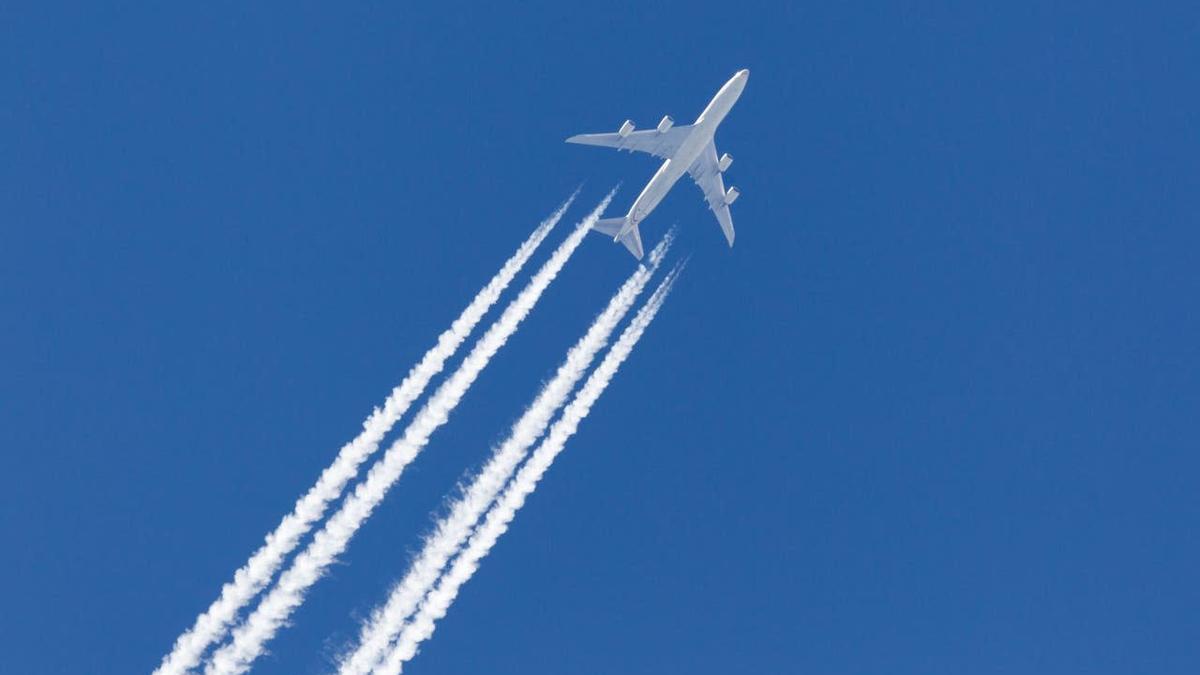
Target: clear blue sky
(936, 412)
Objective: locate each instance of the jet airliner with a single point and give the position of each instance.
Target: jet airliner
(687, 147)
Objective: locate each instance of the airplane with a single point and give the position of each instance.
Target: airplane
(687, 147)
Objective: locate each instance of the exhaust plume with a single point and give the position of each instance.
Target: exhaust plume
(249, 639)
(453, 529)
(496, 522)
(212, 625)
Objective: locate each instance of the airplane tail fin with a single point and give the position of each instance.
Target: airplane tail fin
(613, 227)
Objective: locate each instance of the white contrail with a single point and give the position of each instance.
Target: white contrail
(254, 575)
(249, 639)
(453, 529)
(501, 514)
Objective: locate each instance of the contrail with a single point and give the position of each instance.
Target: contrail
(452, 531)
(258, 571)
(501, 514)
(249, 639)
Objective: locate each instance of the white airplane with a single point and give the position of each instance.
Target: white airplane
(688, 147)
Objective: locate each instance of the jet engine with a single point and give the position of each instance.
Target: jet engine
(625, 129)
(731, 196)
(665, 124)
(724, 162)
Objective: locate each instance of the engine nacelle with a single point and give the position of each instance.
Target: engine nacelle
(731, 195)
(625, 129)
(665, 124)
(724, 162)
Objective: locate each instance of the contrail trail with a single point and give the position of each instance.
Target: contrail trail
(501, 514)
(249, 639)
(452, 531)
(258, 571)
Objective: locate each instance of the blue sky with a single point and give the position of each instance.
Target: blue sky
(934, 413)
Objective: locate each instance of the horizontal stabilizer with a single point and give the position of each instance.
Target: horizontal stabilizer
(614, 227)
(633, 241)
(609, 226)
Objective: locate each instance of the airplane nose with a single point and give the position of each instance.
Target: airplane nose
(744, 73)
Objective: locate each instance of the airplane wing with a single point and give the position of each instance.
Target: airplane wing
(661, 144)
(707, 174)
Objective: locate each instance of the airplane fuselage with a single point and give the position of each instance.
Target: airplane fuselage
(673, 168)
